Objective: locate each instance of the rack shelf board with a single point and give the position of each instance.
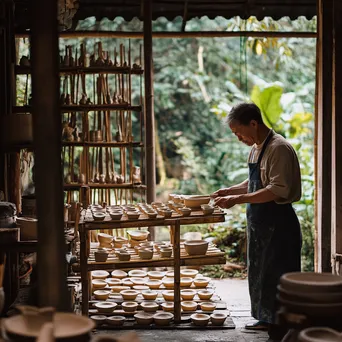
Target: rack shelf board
(75, 186)
(190, 261)
(103, 143)
(84, 108)
(63, 70)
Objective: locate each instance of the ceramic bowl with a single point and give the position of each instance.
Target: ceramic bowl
(201, 282)
(316, 334)
(145, 254)
(170, 274)
(102, 294)
(137, 274)
(98, 319)
(140, 287)
(115, 320)
(188, 294)
(205, 294)
(106, 307)
(99, 274)
(189, 306)
(143, 318)
(117, 251)
(167, 213)
(138, 281)
(129, 294)
(129, 306)
(200, 319)
(152, 214)
(99, 216)
(115, 215)
(98, 284)
(169, 283)
(127, 282)
(186, 281)
(101, 256)
(167, 306)
(113, 281)
(149, 294)
(163, 318)
(149, 306)
(157, 204)
(207, 209)
(196, 247)
(136, 243)
(138, 235)
(119, 274)
(119, 288)
(166, 252)
(124, 256)
(154, 283)
(218, 318)
(156, 274)
(195, 201)
(105, 238)
(187, 272)
(208, 306)
(184, 211)
(148, 245)
(133, 215)
(168, 295)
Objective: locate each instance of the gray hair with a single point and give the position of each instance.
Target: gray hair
(244, 113)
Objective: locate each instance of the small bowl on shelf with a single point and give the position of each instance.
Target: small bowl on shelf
(170, 274)
(166, 213)
(105, 239)
(184, 211)
(202, 282)
(168, 306)
(195, 201)
(154, 283)
(148, 244)
(140, 287)
(115, 215)
(149, 306)
(188, 294)
(119, 274)
(156, 275)
(133, 215)
(143, 318)
(207, 209)
(187, 272)
(99, 216)
(102, 294)
(166, 252)
(106, 307)
(208, 306)
(101, 255)
(186, 281)
(169, 283)
(164, 318)
(205, 294)
(149, 295)
(98, 319)
(218, 318)
(138, 235)
(152, 214)
(138, 281)
(115, 320)
(113, 281)
(189, 306)
(145, 254)
(137, 274)
(129, 294)
(129, 306)
(99, 274)
(127, 282)
(98, 284)
(196, 247)
(124, 256)
(168, 295)
(119, 288)
(200, 319)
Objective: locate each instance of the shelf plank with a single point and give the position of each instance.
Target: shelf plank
(83, 108)
(63, 70)
(102, 143)
(75, 186)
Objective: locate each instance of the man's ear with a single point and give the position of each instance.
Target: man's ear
(253, 123)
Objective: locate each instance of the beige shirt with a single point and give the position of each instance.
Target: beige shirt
(279, 169)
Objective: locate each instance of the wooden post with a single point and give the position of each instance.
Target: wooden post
(149, 109)
(336, 231)
(51, 258)
(176, 258)
(84, 269)
(323, 135)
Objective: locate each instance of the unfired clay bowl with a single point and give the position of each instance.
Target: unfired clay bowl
(200, 319)
(196, 247)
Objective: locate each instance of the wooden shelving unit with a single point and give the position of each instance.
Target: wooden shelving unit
(176, 261)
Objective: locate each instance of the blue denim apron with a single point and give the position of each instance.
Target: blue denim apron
(273, 246)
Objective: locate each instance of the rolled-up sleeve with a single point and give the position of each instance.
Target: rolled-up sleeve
(283, 174)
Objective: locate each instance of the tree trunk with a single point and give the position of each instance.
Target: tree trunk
(159, 160)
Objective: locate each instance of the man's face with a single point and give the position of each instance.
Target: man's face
(245, 133)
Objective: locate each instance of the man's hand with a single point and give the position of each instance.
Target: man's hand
(220, 193)
(226, 202)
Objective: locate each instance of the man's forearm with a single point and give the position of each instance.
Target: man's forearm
(238, 189)
(260, 196)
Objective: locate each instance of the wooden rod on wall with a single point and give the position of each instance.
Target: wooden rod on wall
(159, 35)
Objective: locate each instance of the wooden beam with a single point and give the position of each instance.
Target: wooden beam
(336, 232)
(167, 35)
(323, 136)
(51, 260)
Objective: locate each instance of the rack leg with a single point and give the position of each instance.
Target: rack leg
(84, 271)
(177, 262)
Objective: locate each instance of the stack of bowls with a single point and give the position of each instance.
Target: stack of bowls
(316, 296)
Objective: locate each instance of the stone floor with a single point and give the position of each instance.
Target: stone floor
(235, 293)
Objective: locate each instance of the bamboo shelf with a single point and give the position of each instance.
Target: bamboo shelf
(23, 70)
(179, 259)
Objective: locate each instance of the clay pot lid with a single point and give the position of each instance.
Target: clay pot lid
(66, 325)
(311, 281)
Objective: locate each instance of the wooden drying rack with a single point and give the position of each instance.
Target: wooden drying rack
(178, 260)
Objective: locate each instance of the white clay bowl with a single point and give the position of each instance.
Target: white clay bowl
(99, 274)
(149, 295)
(149, 306)
(138, 235)
(205, 294)
(167, 306)
(168, 295)
(188, 294)
(129, 306)
(106, 307)
(189, 273)
(200, 319)
(201, 282)
(137, 274)
(208, 306)
(154, 283)
(156, 275)
(143, 318)
(129, 294)
(98, 284)
(189, 306)
(102, 294)
(186, 281)
(169, 283)
(218, 318)
(163, 318)
(113, 281)
(115, 320)
(98, 319)
(119, 274)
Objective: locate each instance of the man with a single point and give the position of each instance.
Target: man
(273, 230)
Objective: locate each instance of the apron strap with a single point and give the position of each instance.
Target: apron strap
(269, 137)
